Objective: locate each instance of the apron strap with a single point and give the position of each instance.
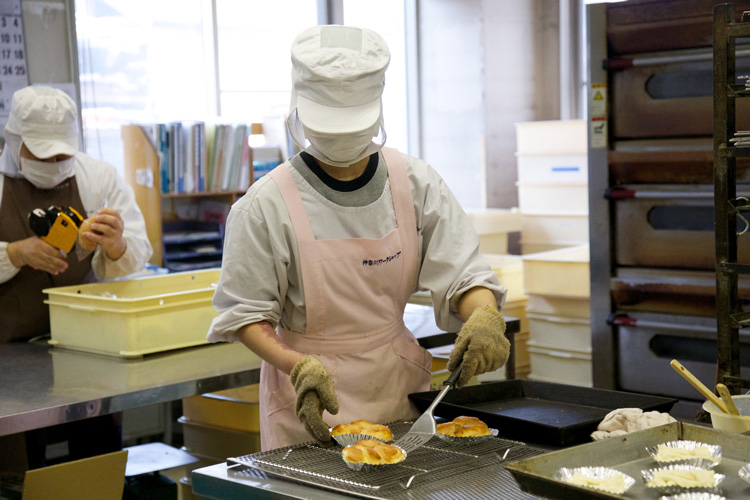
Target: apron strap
(282, 176)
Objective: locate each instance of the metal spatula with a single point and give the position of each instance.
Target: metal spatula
(424, 428)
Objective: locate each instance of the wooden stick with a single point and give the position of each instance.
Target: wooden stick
(698, 385)
(727, 398)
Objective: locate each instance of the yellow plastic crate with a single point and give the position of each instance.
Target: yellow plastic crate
(237, 409)
(509, 272)
(561, 273)
(218, 442)
(132, 318)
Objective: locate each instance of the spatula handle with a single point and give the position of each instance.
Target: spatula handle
(451, 380)
(727, 398)
(698, 385)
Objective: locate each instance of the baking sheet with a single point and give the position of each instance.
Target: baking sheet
(539, 412)
(628, 455)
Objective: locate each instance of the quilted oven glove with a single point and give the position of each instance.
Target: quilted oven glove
(481, 344)
(315, 393)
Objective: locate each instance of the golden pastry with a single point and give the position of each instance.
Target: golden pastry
(464, 427)
(363, 427)
(373, 452)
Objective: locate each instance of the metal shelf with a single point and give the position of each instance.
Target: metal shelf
(729, 316)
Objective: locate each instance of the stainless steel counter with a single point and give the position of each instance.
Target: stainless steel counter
(42, 385)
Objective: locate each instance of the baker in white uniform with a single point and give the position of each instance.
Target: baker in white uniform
(322, 255)
(41, 166)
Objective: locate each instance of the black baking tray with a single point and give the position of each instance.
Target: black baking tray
(539, 412)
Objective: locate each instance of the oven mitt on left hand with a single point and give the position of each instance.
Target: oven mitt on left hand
(481, 344)
(315, 393)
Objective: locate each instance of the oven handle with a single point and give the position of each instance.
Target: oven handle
(620, 319)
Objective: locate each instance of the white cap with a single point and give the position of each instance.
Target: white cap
(46, 120)
(338, 73)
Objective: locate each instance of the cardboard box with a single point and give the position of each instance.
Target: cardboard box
(96, 478)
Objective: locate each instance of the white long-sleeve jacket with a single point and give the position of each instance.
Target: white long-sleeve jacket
(261, 280)
(100, 186)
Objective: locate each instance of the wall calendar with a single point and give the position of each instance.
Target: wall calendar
(14, 73)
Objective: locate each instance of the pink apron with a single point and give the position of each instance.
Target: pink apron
(355, 294)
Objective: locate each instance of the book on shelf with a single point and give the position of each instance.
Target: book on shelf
(198, 157)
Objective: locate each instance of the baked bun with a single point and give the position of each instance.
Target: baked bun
(85, 243)
(363, 427)
(464, 427)
(373, 452)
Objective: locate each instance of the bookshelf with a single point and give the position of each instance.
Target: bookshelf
(160, 210)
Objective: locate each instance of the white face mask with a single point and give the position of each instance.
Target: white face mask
(342, 150)
(46, 175)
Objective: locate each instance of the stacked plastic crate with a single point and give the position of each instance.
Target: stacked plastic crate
(493, 226)
(552, 160)
(557, 284)
(221, 424)
(509, 271)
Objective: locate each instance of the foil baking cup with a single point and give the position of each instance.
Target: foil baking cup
(744, 472)
(363, 467)
(345, 440)
(695, 495)
(466, 440)
(566, 475)
(705, 463)
(648, 476)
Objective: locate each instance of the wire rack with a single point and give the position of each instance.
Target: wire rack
(437, 470)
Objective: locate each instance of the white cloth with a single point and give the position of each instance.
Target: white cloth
(260, 249)
(626, 420)
(100, 186)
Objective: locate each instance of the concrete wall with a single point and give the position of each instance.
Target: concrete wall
(485, 65)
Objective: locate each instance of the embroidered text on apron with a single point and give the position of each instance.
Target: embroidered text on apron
(355, 294)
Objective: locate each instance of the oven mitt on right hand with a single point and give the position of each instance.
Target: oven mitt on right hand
(315, 393)
(481, 344)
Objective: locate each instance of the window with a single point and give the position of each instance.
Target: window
(139, 61)
(254, 38)
(175, 60)
(386, 17)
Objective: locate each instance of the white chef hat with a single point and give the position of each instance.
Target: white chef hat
(338, 73)
(46, 120)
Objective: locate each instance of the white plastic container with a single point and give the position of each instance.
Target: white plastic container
(565, 306)
(553, 169)
(528, 247)
(563, 366)
(560, 331)
(733, 423)
(562, 273)
(562, 199)
(134, 317)
(552, 137)
(564, 230)
(493, 225)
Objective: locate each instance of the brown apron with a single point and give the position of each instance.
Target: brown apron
(23, 313)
